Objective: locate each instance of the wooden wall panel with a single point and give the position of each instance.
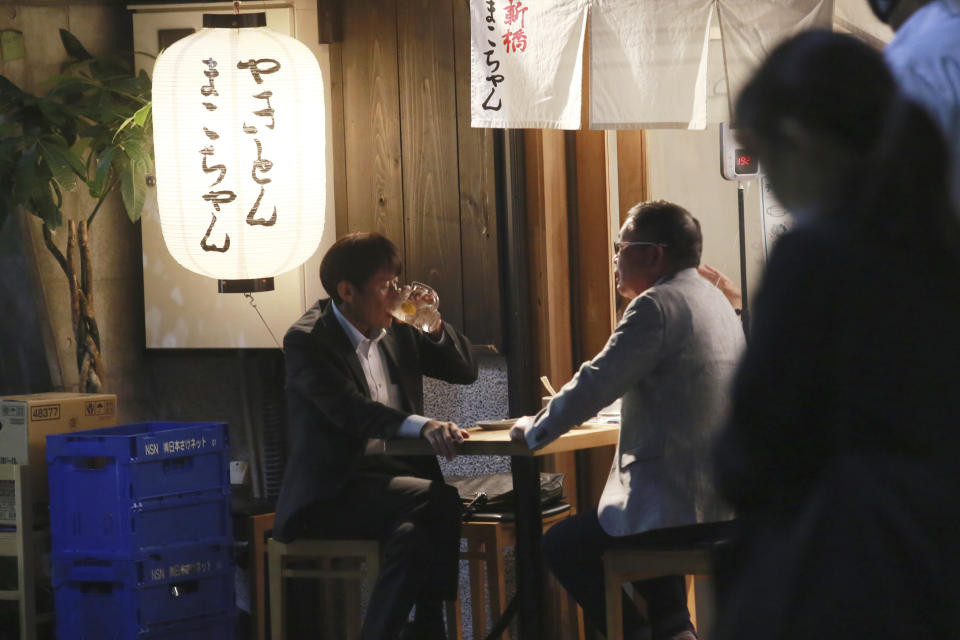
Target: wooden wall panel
(372, 153)
(548, 227)
(594, 277)
(338, 139)
(478, 206)
(428, 111)
(550, 269)
(592, 284)
(631, 174)
(407, 163)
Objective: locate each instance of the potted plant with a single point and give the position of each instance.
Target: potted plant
(91, 130)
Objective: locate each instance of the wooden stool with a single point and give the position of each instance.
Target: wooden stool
(486, 540)
(259, 528)
(254, 517)
(324, 552)
(631, 565)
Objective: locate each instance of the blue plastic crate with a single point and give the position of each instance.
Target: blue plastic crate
(207, 628)
(118, 530)
(144, 569)
(215, 627)
(153, 596)
(138, 461)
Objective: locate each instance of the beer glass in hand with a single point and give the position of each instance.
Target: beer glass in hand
(417, 305)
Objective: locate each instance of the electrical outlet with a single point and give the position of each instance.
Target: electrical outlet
(238, 471)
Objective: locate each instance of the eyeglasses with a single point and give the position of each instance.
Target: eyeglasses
(620, 246)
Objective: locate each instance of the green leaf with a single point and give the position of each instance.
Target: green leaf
(63, 166)
(103, 172)
(49, 212)
(57, 192)
(133, 188)
(11, 96)
(140, 117)
(137, 153)
(73, 46)
(95, 131)
(52, 111)
(26, 181)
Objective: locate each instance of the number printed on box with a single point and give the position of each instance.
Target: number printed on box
(45, 412)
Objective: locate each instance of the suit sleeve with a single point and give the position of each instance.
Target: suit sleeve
(631, 353)
(777, 436)
(322, 380)
(450, 359)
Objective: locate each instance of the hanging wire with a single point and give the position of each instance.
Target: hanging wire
(249, 296)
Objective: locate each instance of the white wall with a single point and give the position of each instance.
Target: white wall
(684, 167)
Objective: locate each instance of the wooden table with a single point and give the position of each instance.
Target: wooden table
(525, 466)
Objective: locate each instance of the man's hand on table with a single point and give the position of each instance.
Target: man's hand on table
(518, 432)
(443, 437)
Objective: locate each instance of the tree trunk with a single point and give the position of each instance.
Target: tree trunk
(85, 331)
(80, 279)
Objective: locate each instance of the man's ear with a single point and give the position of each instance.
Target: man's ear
(660, 257)
(346, 290)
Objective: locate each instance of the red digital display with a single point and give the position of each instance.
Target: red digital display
(744, 162)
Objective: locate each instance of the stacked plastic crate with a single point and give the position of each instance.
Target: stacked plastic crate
(140, 520)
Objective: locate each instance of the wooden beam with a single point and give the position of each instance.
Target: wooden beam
(632, 173)
(478, 209)
(549, 255)
(337, 140)
(550, 269)
(329, 21)
(517, 285)
(592, 277)
(591, 281)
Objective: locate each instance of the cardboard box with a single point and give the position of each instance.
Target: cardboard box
(25, 423)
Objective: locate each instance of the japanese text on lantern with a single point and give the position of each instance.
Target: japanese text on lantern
(261, 166)
(213, 196)
(263, 110)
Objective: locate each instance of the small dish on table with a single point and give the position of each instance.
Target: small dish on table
(496, 425)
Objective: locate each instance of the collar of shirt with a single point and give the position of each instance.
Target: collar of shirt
(360, 342)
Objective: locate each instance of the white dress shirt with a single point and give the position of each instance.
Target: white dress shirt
(382, 389)
(924, 56)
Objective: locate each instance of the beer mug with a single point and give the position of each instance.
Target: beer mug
(417, 305)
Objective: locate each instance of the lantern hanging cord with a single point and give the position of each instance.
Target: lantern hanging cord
(249, 296)
(236, 6)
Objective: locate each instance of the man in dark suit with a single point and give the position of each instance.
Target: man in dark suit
(354, 373)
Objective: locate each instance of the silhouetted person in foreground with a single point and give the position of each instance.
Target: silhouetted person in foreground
(841, 452)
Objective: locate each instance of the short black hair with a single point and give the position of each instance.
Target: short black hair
(356, 257)
(669, 224)
(825, 82)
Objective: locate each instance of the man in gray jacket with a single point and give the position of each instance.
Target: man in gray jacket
(671, 359)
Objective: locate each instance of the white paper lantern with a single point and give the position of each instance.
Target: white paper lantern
(239, 141)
